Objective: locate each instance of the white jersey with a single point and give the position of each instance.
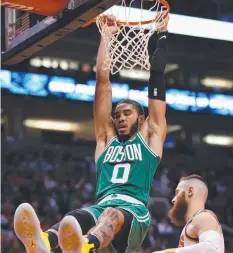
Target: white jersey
(186, 240)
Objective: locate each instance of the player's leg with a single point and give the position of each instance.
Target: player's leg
(27, 229)
(111, 223)
(120, 241)
(132, 232)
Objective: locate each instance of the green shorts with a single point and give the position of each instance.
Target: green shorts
(139, 226)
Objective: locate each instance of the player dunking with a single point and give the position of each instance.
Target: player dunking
(129, 148)
(202, 232)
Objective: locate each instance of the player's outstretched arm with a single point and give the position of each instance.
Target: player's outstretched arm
(156, 122)
(206, 228)
(104, 128)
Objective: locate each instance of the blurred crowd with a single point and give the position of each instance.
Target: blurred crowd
(54, 181)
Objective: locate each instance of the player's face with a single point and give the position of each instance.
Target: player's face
(126, 120)
(180, 207)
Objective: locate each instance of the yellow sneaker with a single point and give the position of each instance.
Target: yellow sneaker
(70, 237)
(86, 247)
(27, 228)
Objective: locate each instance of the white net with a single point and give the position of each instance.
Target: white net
(127, 47)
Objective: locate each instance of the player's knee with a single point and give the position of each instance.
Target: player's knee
(109, 211)
(114, 214)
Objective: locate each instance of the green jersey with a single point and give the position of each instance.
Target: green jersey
(126, 168)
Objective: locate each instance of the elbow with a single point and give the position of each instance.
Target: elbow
(103, 81)
(104, 86)
(102, 75)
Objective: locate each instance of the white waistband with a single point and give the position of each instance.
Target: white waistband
(121, 197)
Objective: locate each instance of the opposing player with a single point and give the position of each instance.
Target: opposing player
(127, 155)
(202, 232)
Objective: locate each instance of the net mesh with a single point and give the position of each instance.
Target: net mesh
(127, 47)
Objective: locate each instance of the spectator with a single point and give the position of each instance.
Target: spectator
(55, 181)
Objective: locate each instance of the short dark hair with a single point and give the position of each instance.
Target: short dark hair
(138, 107)
(194, 176)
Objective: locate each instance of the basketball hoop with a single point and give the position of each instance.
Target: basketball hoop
(127, 47)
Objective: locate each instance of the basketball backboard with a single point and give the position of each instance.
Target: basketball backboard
(27, 33)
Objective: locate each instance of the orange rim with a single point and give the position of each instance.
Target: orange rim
(135, 23)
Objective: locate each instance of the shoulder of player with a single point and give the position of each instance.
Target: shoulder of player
(102, 144)
(204, 221)
(203, 216)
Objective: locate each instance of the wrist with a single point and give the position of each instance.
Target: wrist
(163, 31)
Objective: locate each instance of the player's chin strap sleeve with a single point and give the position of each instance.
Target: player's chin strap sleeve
(157, 49)
(209, 242)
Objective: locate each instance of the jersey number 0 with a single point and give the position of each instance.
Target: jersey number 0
(115, 175)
